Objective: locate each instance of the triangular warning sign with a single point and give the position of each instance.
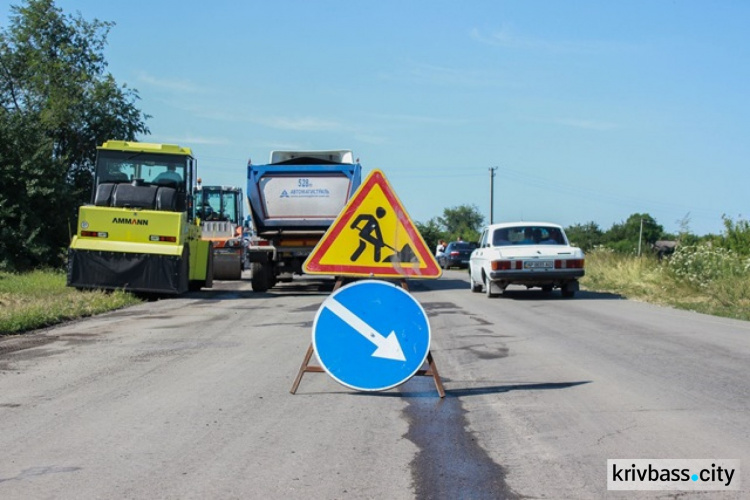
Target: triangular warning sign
(373, 236)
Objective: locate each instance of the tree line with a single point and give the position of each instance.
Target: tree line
(638, 232)
(57, 104)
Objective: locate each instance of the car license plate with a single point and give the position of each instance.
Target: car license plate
(538, 264)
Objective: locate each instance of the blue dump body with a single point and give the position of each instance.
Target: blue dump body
(303, 194)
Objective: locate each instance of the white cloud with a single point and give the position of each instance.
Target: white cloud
(215, 114)
(306, 124)
(417, 119)
(171, 85)
(190, 139)
(506, 38)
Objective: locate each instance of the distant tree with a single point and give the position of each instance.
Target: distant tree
(431, 232)
(464, 221)
(736, 235)
(624, 237)
(586, 236)
(57, 104)
(684, 236)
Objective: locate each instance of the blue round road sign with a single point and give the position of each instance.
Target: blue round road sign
(371, 335)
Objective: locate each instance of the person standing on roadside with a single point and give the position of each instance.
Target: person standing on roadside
(440, 248)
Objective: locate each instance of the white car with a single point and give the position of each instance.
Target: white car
(534, 254)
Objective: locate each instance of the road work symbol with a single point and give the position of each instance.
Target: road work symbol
(369, 233)
(373, 237)
(371, 335)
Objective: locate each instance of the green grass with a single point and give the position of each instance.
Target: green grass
(725, 293)
(40, 298)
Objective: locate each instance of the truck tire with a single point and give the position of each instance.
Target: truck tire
(259, 278)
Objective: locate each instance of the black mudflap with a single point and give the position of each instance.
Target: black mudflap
(135, 272)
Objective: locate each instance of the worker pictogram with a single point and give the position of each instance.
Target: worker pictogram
(373, 236)
(369, 232)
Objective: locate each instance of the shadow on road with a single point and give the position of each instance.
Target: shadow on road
(427, 389)
(536, 294)
(233, 290)
(306, 286)
(497, 389)
(512, 292)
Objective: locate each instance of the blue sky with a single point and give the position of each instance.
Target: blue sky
(591, 110)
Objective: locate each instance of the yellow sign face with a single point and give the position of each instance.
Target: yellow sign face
(373, 236)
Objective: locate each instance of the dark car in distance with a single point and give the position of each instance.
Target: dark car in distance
(456, 254)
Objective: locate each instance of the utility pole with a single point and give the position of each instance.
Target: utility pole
(492, 191)
(640, 238)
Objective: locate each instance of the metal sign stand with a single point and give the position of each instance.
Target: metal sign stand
(430, 371)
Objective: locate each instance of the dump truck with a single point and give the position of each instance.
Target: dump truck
(140, 232)
(293, 200)
(221, 215)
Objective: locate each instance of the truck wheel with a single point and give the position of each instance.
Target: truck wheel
(259, 278)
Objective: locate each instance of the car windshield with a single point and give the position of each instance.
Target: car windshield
(527, 235)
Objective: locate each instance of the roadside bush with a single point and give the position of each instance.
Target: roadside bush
(698, 278)
(737, 235)
(719, 276)
(702, 264)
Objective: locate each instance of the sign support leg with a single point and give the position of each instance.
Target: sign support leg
(305, 367)
(432, 371)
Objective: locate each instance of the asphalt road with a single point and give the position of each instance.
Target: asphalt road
(189, 398)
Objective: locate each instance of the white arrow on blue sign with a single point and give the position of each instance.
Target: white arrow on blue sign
(371, 335)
